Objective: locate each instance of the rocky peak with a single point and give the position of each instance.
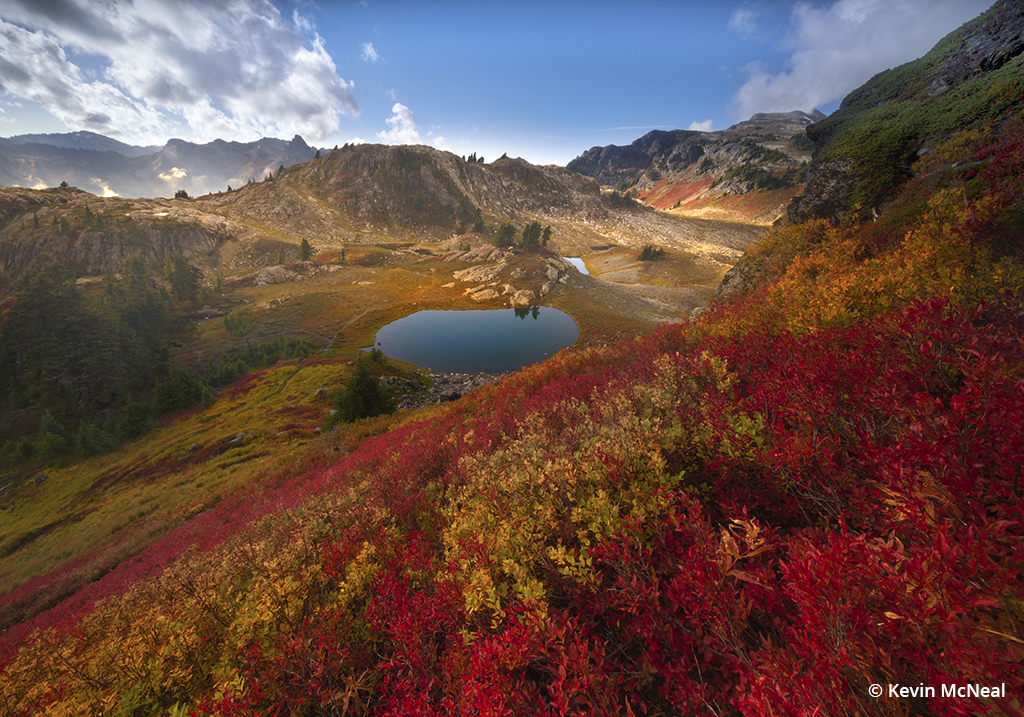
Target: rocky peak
(684, 169)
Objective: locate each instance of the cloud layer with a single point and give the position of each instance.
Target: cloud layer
(834, 48)
(144, 70)
(405, 130)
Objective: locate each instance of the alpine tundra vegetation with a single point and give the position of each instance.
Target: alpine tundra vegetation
(803, 499)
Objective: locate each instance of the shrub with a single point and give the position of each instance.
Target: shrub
(649, 253)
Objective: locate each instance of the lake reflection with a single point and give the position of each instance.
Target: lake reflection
(480, 341)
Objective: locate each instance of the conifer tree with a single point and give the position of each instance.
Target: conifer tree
(184, 279)
(362, 395)
(506, 235)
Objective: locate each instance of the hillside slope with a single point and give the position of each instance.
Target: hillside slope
(807, 491)
(748, 172)
(810, 491)
(873, 141)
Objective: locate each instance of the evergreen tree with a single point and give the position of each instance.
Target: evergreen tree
(136, 419)
(184, 279)
(91, 440)
(362, 395)
(179, 387)
(531, 236)
(305, 250)
(649, 253)
(506, 236)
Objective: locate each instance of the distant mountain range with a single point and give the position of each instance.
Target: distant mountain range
(107, 167)
(684, 170)
(361, 194)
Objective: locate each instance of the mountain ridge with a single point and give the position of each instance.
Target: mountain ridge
(354, 195)
(82, 139)
(972, 74)
(110, 167)
(704, 173)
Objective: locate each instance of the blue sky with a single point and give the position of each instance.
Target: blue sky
(541, 80)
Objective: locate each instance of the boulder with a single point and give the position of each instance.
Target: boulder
(479, 273)
(523, 297)
(484, 295)
(275, 275)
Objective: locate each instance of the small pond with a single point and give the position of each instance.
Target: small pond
(578, 263)
(480, 341)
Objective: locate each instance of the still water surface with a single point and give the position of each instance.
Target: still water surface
(578, 263)
(480, 341)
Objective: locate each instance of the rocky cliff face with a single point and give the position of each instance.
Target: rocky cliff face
(691, 172)
(369, 193)
(613, 163)
(422, 186)
(963, 81)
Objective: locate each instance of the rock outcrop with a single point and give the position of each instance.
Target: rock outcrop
(97, 235)
(855, 166)
(508, 277)
(444, 387)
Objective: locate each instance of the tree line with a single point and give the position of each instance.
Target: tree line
(82, 373)
(533, 236)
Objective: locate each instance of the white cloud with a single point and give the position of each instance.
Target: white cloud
(369, 54)
(704, 126)
(107, 191)
(743, 22)
(303, 23)
(835, 48)
(442, 143)
(234, 68)
(175, 173)
(403, 127)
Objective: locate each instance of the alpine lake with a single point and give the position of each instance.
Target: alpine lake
(478, 341)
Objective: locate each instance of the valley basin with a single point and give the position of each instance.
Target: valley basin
(478, 341)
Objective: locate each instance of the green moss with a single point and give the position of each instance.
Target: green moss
(883, 124)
